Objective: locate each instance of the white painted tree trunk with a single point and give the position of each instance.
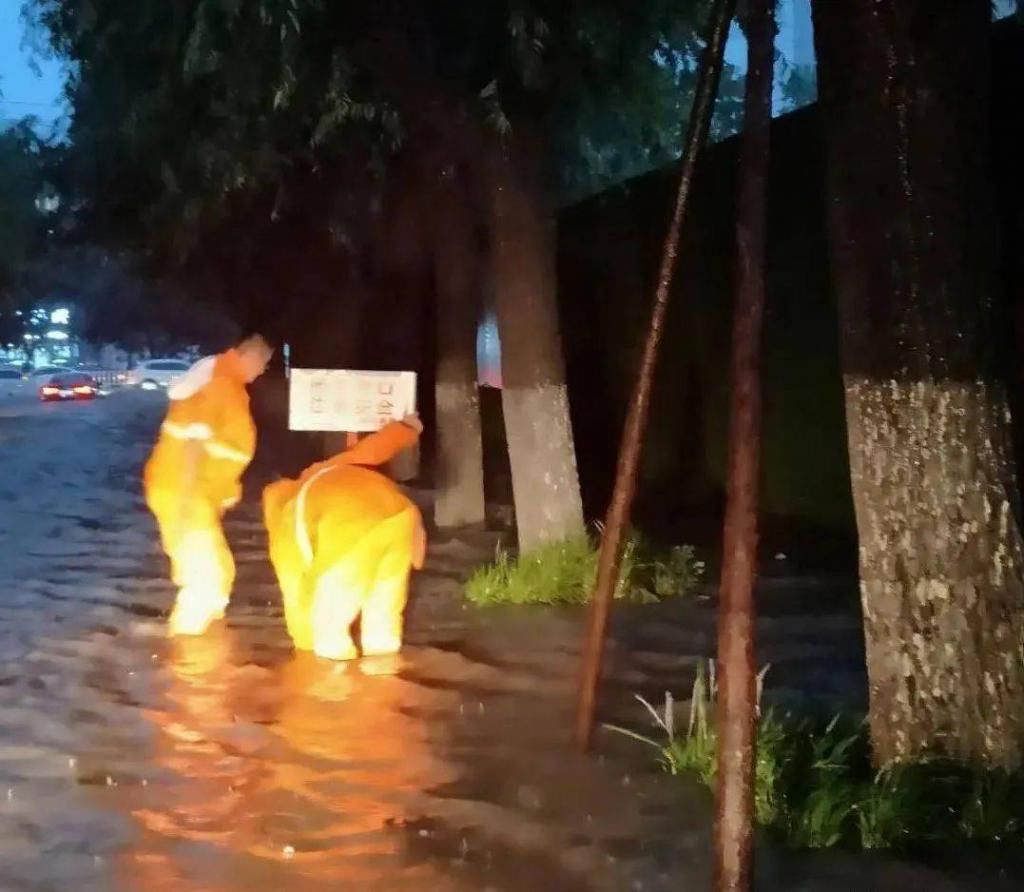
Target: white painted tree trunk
(535, 401)
(904, 96)
(545, 486)
(458, 281)
(940, 562)
(459, 475)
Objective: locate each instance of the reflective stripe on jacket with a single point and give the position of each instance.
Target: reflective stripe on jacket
(357, 497)
(208, 407)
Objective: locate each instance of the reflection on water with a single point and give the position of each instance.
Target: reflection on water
(292, 773)
(429, 770)
(228, 763)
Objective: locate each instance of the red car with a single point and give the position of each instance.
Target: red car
(68, 386)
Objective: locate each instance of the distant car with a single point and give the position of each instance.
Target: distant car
(156, 373)
(44, 372)
(104, 377)
(68, 386)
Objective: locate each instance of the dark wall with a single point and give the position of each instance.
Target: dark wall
(1008, 189)
(609, 251)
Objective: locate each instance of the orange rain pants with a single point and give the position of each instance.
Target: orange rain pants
(201, 563)
(343, 539)
(193, 476)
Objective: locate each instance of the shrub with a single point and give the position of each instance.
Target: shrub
(815, 786)
(564, 573)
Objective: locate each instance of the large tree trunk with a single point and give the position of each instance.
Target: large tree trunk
(459, 475)
(335, 341)
(737, 692)
(542, 455)
(904, 93)
(399, 270)
(448, 223)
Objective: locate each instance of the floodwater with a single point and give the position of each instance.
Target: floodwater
(228, 763)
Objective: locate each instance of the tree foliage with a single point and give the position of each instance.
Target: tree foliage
(21, 221)
(19, 218)
(112, 305)
(188, 114)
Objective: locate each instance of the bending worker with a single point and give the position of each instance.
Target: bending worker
(194, 475)
(343, 539)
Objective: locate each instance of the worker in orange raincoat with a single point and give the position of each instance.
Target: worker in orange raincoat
(343, 539)
(193, 476)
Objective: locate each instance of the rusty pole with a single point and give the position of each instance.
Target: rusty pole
(737, 691)
(636, 419)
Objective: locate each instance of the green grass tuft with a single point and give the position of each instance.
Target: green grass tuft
(564, 573)
(556, 573)
(815, 786)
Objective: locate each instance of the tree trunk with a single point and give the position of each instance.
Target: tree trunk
(400, 264)
(737, 691)
(334, 343)
(904, 93)
(534, 397)
(1008, 177)
(636, 419)
(459, 475)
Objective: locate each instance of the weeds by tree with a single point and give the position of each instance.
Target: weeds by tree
(815, 786)
(564, 572)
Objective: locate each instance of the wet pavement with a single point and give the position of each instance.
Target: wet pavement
(132, 762)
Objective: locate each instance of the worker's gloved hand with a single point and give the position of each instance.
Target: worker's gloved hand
(413, 420)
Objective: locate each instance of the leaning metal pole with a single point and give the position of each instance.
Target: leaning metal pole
(636, 419)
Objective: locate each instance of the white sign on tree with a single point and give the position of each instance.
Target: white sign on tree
(345, 400)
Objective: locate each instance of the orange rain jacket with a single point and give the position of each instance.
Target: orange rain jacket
(209, 404)
(344, 487)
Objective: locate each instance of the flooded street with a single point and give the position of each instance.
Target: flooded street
(228, 763)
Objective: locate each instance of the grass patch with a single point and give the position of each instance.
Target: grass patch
(815, 786)
(564, 573)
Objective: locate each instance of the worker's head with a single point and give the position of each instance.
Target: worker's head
(255, 352)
